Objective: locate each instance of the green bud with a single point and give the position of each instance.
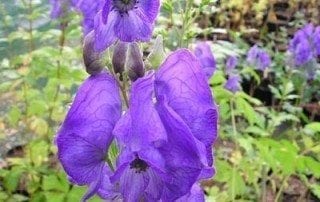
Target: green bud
(157, 54)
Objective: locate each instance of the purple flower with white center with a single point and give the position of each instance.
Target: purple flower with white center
(233, 84)
(204, 54)
(165, 137)
(126, 20)
(258, 58)
(231, 63)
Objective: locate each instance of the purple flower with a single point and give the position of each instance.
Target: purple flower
(165, 137)
(61, 7)
(86, 133)
(303, 53)
(316, 40)
(233, 84)
(258, 58)
(305, 45)
(89, 9)
(128, 21)
(204, 54)
(231, 63)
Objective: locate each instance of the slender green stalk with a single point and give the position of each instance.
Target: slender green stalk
(281, 188)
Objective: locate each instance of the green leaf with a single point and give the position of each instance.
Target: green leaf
(314, 126)
(53, 183)
(246, 110)
(14, 115)
(12, 179)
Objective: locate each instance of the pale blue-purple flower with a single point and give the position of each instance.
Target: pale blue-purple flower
(128, 21)
(233, 83)
(258, 57)
(204, 54)
(231, 63)
(61, 7)
(305, 45)
(165, 137)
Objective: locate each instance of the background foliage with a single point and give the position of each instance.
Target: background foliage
(268, 149)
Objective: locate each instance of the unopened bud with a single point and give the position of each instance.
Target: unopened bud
(157, 54)
(91, 58)
(119, 57)
(134, 63)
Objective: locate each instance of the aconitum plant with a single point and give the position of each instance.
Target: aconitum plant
(305, 45)
(258, 58)
(206, 58)
(163, 123)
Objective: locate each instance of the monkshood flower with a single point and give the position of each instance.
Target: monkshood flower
(86, 134)
(305, 45)
(231, 63)
(258, 57)
(204, 54)
(165, 137)
(233, 83)
(61, 7)
(126, 20)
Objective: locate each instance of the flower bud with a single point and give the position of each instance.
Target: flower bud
(134, 63)
(157, 53)
(91, 58)
(119, 57)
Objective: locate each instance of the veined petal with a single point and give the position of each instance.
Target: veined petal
(182, 155)
(181, 81)
(105, 33)
(141, 125)
(149, 9)
(85, 135)
(130, 27)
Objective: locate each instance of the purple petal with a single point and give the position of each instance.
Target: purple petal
(85, 135)
(233, 84)
(195, 195)
(181, 80)
(181, 154)
(149, 9)
(141, 125)
(131, 27)
(204, 54)
(105, 33)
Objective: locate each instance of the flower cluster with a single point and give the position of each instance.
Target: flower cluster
(126, 20)
(233, 82)
(165, 136)
(305, 45)
(258, 58)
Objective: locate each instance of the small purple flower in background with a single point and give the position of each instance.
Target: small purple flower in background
(165, 137)
(61, 7)
(258, 58)
(305, 45)
(233, 83)
(231, 63)
(126, 20)
(204, 54)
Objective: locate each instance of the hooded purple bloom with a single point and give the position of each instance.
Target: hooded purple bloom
(231, 63)
(89, 9)
(165, 137)
(316, 40)
(258, 58)
(85, 135)
(126, 20)
(61, 7)
(195, 195)
(204, 54)
(233, 83)
(305, 45)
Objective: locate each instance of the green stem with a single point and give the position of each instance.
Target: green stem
(234, 128)
(281, 188)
